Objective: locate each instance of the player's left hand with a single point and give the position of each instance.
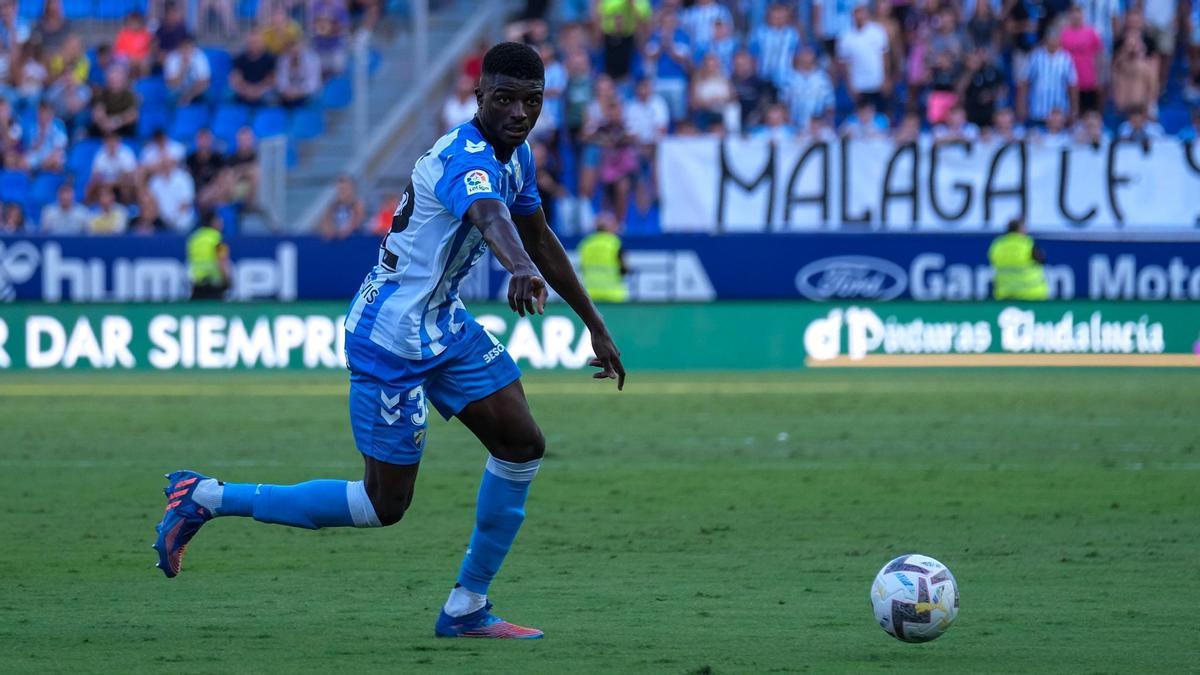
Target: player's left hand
(527, 294)
(608, 359)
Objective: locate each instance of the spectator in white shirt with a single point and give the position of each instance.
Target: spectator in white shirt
(775, 127)
(114, 167)
(1140, 128)
(808, 91)
(956, 127)
(1055, 135)
(1090, 130)
(863, 51)
(159, 150)
(298, 76)
(187, 72)
(831, 19)
(64, 216)
(461, 105)
(174, 193)
(646, 115)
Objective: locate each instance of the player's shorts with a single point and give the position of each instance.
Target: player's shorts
(389, 394)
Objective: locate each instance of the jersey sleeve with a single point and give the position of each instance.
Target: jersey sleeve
(528, 200)
(467, 178)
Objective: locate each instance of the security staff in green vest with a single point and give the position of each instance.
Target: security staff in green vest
(1017, 265)
(603, 262)
(208, 260)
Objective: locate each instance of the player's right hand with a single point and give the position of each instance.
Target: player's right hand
(527, 294)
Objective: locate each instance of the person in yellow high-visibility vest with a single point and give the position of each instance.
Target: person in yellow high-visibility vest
(208, 260)
(602, 261)
(1017, 265)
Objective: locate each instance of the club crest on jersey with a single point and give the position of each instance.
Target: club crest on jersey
(477, 181)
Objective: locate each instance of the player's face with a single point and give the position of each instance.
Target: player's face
(508, 107)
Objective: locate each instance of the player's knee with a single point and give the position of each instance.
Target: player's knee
(390, 505)
(522, 448)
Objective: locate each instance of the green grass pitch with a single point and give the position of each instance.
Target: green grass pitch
(694, 523)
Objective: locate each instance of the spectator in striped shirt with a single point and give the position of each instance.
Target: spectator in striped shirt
(667, 57)
(699, 19)
(1104, 16)
(809, 91)
(1049, 81)
(724, 45)
(831, 19)
(775, 44)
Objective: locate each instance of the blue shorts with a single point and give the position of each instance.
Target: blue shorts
(389, 393)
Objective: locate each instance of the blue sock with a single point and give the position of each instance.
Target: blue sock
(498, 516)
(312, 505)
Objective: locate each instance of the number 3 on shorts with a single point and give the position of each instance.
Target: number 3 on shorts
(418, 394)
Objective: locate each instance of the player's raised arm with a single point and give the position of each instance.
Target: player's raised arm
(526, 290)
(548, 254)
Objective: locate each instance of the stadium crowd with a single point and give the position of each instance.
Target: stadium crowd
(141, 129)
(621, 74)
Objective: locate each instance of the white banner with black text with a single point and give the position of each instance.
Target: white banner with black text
(747, 185)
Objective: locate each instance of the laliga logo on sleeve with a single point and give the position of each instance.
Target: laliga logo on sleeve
(17, 264)
(477, 181)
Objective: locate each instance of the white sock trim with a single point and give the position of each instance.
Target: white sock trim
(362, 512)
(520, 472)
(462, 602)
(208, 493)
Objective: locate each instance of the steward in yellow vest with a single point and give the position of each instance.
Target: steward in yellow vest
(1017, 266)
(602, 262)
(208, 260)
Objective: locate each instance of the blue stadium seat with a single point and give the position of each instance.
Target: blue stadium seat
(228, 119)
(307, 122)
(188, 120)
(153, 90)
(44, 190)
(219, 65)
(337, 92)
(82, 9)
(247, 9)
(14, 186)
(1173, 117)
(270, 122)
(80, 156)
(230, 215)
(30, 9)
(151, 119)
(116, 9)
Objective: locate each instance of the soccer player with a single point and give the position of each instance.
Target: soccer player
(410, 340)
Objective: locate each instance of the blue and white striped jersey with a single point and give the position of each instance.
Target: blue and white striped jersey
(409, 302)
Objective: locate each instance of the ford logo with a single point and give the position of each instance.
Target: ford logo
(851, 276)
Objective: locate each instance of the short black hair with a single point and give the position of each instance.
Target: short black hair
(514, 59)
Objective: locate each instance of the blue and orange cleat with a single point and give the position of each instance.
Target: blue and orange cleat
(181, 522)
(482, 624)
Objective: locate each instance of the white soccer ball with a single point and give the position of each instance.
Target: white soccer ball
(915, 598)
